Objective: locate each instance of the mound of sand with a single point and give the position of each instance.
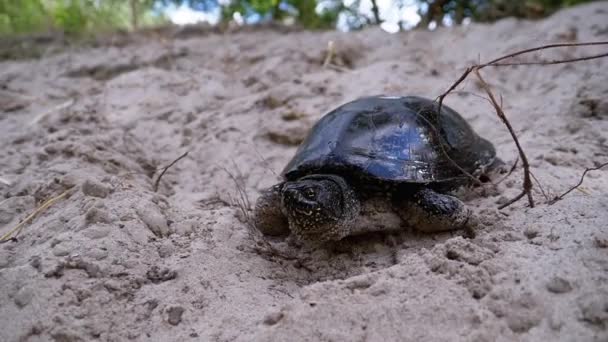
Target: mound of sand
(116, 260)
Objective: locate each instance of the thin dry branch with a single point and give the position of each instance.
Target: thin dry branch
(157, 182)
(527, 186)
(12, 234)
(580, 182)
(555, 61)
(495, 62)
(540, 186)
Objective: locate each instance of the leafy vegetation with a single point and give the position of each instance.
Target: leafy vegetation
(76, 17)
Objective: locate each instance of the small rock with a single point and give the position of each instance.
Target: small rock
(531, 233)
(61, 250)
(24, 296)
(558, 285)
(96, 215)
(156, 275)
(165, 250)
(94, 188)
(594, 308)
(601, 241)
(91, 269)
(273, 318)
(154, 220)
(175, 314)
(292, 136)
(36, 263)
(96, 253)
(293, 116)
(97, 232)
(184, 227)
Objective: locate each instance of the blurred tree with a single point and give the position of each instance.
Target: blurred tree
(74, 16)
(83, 16)
(454, 11)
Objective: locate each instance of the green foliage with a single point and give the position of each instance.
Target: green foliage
(76, 17)
(70, 16)
(22, 16)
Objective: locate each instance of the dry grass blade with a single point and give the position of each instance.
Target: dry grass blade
(5, 181)
(542, 189)
(15, 231)
(331, 52)
(580, 182)
(157, 182)
(65, 105)
(242, 202)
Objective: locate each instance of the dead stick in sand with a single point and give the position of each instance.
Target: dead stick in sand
(167, 168)
(527, 186)
(15, 231)
(580, 182)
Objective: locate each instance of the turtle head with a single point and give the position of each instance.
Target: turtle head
(319, 207)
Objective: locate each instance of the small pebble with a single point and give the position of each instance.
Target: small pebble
(559, 285)
(61, 250)
(273, 318)
(96, 253)
(154, 220)
(97, 232)
(175, 315)
(95, 189)
(24, 296)
(601, 241)
(96, 215)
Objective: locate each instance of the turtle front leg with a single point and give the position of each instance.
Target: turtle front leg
(431, 212)
(268, 217)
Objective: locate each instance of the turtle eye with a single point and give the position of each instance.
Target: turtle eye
(310, 193)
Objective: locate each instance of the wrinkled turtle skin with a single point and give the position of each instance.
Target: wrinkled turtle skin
(396, 151)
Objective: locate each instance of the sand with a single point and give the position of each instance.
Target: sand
(117, 261)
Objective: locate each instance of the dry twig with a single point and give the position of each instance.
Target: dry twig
(527, 184)
(167, 168)
(580, 182)
(527, 187)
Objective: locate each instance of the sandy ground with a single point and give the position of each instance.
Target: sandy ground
(116, 260)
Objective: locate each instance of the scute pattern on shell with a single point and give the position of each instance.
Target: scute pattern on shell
(396, 139)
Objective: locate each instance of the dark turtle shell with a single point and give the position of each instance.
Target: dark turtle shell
(396, 139)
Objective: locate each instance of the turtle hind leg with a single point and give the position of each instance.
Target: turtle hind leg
(268, 217)
(430, 212)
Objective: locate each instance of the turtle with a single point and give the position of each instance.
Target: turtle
(402, 154)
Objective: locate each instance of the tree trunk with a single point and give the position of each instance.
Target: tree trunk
(134, 14)
(376, 12)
